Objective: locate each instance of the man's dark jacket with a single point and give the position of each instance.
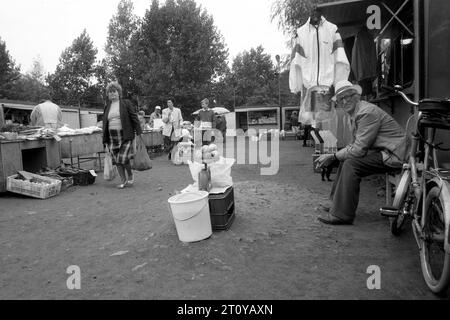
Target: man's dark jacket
(130, 121)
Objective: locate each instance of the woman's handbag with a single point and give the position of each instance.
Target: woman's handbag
(110, 170)
(141, 160)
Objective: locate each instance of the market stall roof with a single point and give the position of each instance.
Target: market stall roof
(351, 15)
(30, 107)
(255, 108)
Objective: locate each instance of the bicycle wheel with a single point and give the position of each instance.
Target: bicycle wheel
(434, 260)
(401, 192)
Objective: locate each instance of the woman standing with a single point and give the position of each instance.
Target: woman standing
(120, 126)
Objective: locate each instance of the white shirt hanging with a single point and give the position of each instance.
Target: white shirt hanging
(318, 58)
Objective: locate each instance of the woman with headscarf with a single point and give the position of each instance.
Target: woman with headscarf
(120, 126)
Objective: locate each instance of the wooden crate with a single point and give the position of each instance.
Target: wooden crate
(30, 189)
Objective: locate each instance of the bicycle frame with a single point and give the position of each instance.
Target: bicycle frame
(430, 176)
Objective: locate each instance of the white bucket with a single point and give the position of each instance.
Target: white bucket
(191, 214)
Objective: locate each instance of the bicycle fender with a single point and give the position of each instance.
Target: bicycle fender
(444, 185)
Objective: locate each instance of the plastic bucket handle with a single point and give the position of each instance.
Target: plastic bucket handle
(190, 216)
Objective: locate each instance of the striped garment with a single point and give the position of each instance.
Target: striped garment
(122, 151)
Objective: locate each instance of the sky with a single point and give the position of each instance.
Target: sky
(43, 29)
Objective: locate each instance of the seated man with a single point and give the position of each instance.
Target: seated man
(379, 145)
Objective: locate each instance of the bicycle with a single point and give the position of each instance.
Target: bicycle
(423, 193)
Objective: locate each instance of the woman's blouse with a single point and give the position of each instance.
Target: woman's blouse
(114, 116)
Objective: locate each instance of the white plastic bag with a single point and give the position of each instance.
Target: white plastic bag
(175, 156)
(220, 172)
(110, 170)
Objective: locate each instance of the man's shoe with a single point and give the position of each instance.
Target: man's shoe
(332, 220)
(324, 208)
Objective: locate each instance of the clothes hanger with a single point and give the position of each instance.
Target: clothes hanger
(315, 16)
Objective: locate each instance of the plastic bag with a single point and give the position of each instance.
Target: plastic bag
(141, 161)
(220, 172)
(176, 159)
(110, 170)
(182, 153)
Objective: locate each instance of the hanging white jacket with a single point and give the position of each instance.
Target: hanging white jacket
(318, 58)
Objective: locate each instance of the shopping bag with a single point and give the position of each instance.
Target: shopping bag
(141, 161)
(175, 156)
(110, 170)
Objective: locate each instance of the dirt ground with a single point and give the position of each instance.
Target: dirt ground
(274, 250)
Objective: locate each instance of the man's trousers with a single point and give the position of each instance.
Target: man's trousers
(346, 187)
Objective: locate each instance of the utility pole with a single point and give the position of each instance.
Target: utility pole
(277, 57)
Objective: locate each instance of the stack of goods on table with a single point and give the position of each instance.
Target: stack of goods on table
(66, 131)
(13, 132)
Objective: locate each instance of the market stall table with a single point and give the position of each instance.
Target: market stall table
(27, 155)
(82, 146)
(153, 139)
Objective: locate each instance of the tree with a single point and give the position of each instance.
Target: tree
(254, 78)
(37, 71)
(27, 88)
(292, 14)
(74, 73)
(9, 72)
(178, 53)
(119, 55)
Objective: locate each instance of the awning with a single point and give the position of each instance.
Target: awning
(27, 107)
(18, 106)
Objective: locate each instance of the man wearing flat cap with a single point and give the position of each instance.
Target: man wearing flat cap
(379, 145)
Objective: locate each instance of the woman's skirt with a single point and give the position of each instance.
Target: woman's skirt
(122, 151)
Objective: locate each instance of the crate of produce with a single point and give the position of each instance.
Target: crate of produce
(222, 209)
(81, 177)
(37, 186)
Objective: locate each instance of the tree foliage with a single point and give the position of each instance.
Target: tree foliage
(119, 54)
(37, 71)
(178, 53)
(9, 72)
(292, 14)
(74, 73)
(27, 88)
(254, 78)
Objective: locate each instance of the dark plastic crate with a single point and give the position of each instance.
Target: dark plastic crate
(220, 203)
(222, 209)
(222, 222)
(80, 177)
